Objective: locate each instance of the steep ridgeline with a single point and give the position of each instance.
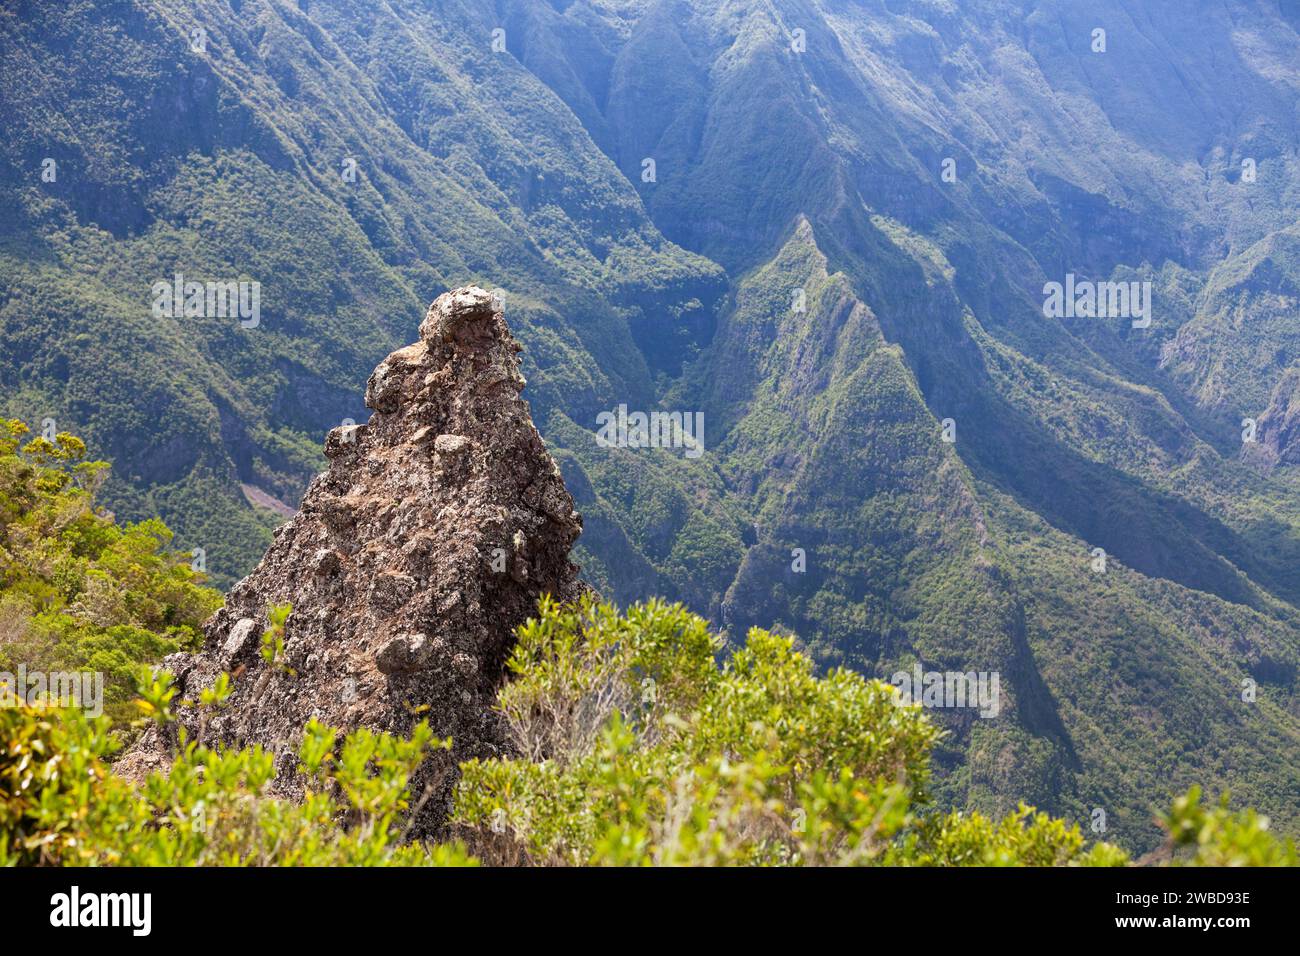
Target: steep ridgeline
(432, 535)
(313, 153)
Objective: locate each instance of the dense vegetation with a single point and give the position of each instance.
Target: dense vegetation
(61, 803)
(636, 749)
(78, 591)
(354, 172)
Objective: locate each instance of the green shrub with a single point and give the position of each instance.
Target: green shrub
(62, 804)
(1218, 837)
(637, 746)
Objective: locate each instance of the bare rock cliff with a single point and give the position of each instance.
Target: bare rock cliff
(1278, 439)
(410, 563)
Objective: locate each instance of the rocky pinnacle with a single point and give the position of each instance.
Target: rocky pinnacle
(409, 564)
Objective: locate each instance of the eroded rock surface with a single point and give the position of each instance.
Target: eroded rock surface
(410, 563)
(1277, 441)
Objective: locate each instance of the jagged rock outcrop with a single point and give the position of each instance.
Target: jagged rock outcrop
(410, 563)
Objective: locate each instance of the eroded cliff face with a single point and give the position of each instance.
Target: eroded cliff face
(1278, 439)
(410, 563)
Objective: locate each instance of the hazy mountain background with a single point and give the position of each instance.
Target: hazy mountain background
(795, 146)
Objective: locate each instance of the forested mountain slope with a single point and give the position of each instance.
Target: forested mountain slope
(827, 226)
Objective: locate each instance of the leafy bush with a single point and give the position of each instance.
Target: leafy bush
(61, 803)
(638, 747)
(1218, 837)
